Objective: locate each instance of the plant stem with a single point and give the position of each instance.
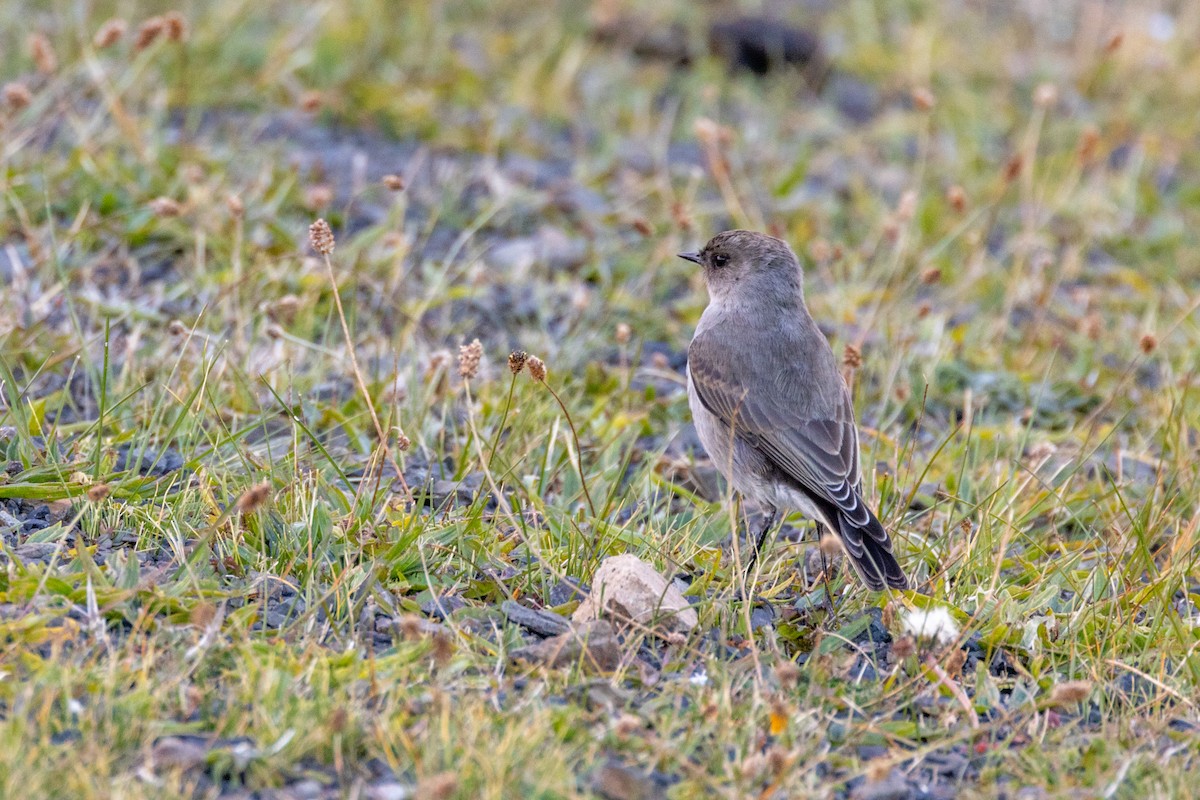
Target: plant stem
(578, 449)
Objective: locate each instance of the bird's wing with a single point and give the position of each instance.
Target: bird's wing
(814, 443)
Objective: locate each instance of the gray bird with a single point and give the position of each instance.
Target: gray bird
(770, 405)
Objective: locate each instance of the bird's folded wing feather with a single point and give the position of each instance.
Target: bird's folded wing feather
(818, 453)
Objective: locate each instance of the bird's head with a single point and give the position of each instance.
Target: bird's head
(745, 264)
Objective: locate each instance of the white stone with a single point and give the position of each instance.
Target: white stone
(627, 590)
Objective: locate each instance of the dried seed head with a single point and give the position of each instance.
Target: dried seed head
(878, 771)
(176, 328)
(165, 207)
(1012, 169)
(469, 356)
(643, 226)
(955, 661)
(42, 53)
(320, 236)
(148, 32)
(931, 276)
(623, 333)
(402, 441)
(787, 673)
(830, 545)
(253, 498)
(627, 724)
(394, 183)
(1045, 95)
(1070, 692)
(318, 197)
(274, 331)
(923, 309)
(310, 101)
(851, 357)
(1092, 326)
(680, 216)
(109, 33)
(1089, 144)
(517, 360)
(175, 26)
(956, 196)
(820, 251)
(1148, 342)
(443, 647)
(1114, 42)
(923, 98)
(778, 759)
(235, 205)
(410, 626)
(903, 647)
(537, 369)
(98, 492)
(17, 95)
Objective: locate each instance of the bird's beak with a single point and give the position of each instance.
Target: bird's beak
(693, 257)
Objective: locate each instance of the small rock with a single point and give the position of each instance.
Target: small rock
(543, 623)
(35, 551)
(148, 461)
(630, 590)
(593, 644)
(613, 780)
(442, 607)
(387, 790)
(306, 789)
(893, 787)
(176, 752)
(762, 616)
(565, 591)
(762, 45)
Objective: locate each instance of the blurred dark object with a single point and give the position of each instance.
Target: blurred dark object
(765, 44)
(757, 44)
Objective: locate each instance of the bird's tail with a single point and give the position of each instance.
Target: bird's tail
(870, 551)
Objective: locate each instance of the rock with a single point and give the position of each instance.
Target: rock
(388, 790)
(543, 623)
(613, 780)
(593, 644)
(629, 590)
(893, 787)
(148, 460)
(565, 591)
(440, 608)
(762, 44)
(178, 753)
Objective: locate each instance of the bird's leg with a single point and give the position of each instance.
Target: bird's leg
(759, 538)
(769, 523)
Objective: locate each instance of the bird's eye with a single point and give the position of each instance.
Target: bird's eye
(720, 260)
